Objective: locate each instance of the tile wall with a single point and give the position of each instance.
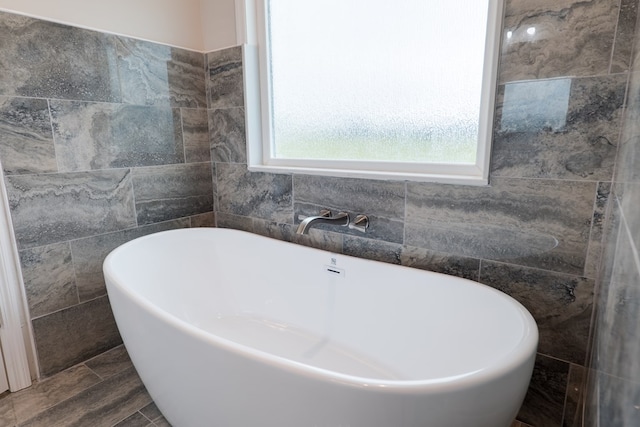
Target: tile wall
(534, 233)
(102, 139)
(614, 382)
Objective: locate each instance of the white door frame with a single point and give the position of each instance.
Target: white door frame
(16, 333)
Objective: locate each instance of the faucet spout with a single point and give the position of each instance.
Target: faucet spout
(342, 219)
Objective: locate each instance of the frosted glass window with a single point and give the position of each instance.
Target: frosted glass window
(357, 87)
(376, 80)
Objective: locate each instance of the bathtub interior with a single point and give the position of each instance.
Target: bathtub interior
(333, 312)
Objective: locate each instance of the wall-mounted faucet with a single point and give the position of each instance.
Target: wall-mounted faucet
(361, 222)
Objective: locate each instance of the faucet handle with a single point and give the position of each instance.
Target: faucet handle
(360, 223)
(325, 213)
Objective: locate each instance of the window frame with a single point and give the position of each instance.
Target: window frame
(251, 33)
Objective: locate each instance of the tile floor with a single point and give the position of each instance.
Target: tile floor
(102, 392)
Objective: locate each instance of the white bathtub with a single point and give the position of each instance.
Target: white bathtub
(228, 328)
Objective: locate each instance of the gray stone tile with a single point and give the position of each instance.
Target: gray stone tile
(195, 131)
(235, 222)
(594, 253)
(382, 201)
(227, 135)
(47, 393)
(51, 60)
(7, 414)
(49, 278)
(89, 254)
(623, 47)
(26, 140)
(103, 405)
(574, 403)
(544, 402)
(372, 249)
(172, 191)
(135, 420)
(224, 78)
(468, 268)
(155, 74)
(204, 220)
(318, 239)
(561, 44)
(559, 129)
(537, 223)
(561, 304)
(619, 400)
(161, 422)
(91, 136)
(110, 363)
(72, 335)
(254, 194)
(58, 207)
(151, 411)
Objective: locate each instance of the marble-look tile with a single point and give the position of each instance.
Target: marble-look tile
(576, 139)
(557, 38)
(47, 393)
(574, 403)
(254, 194)
(623, 47)
(382, 201)
(172, 191)
(7, 414)
(236, 222)
(592, 264)
(72, 335)
(619, 401)
(195, 131)
(424, 259)
(135, 420)
(544, 402)
(326, 241)
(561, 304)
(372, 249)
(49, 278)
(110, 363)
(26, 140)
(103, 405)
(204, 220)
(89, 253)
(537, 223)
(51, 208)
(155, 74)
(227, 135)
(50, 60)
(92, 135)
(224, 78)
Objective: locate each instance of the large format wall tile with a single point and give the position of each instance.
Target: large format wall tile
(49, 278)
(227, 135)
(72, 335)
(625, 31)
(46, 60)
(26, 140)
(381, 201)
(561, 128)
(224, 79)
(195, 132)
(468, 268)
(552, 38)
(561, 305)
(91, 136)
(53, 208)
(537, 223)
(255, 194)
(89, 254)
(172, 191)
(155, 74)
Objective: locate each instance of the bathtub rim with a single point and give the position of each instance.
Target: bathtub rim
(523, 354)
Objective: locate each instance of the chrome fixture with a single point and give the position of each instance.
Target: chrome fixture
(342, 219)
(361, 223)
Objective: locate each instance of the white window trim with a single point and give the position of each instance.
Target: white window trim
(250, 24)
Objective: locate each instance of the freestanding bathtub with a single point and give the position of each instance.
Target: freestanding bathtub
(228, 328)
